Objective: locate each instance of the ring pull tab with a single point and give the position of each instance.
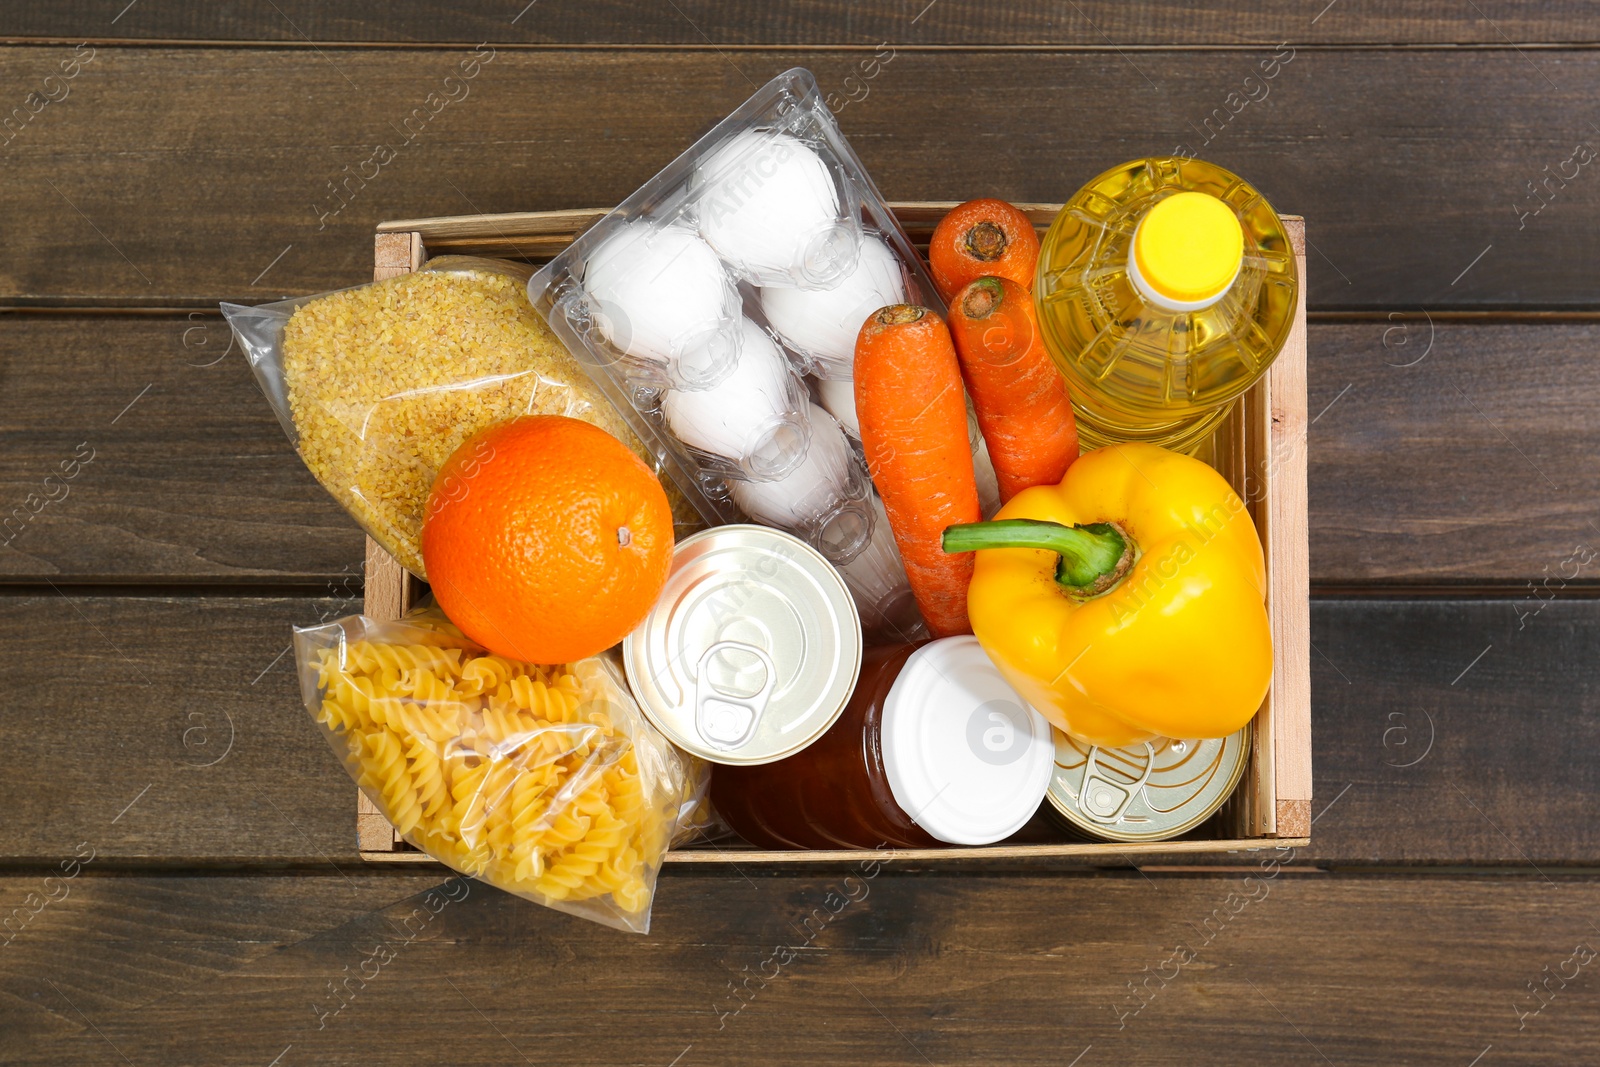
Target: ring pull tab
(725, 720)
(1104, 800)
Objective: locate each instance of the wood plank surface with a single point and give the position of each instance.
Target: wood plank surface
(190, 477)
(179, 176)
(1278, 407)
(868, 966)
(1431, 747)
(168, 729)
(698, 23)
(137, 939)
(1454, 452)
(1429, 717)
(1429, 452)
(158, 538)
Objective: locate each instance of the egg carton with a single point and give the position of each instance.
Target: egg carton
(705, 302)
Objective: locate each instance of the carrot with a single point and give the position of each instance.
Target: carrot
(1023, 406)
(982, 238)
(913, 417)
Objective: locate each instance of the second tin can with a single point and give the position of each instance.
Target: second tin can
(752, 650)
(1148, 792)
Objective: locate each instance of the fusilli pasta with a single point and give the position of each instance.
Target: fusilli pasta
(524, 775)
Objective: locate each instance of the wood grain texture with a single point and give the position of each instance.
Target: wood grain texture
(396, 253)
(390, 589)
(696, 23)
(1294, 816)
(167, 732)
(884, 968)
(116, 944)
(1261, 449)
(1431, 716)
(730, 854)
(119, 701)
(1284, 468)
(130, 189)
(191, 480)
(1411, 422)
(1421, 474)
(165, 729)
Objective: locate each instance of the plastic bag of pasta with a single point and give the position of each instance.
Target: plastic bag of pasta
(378, 384)
(545, 781)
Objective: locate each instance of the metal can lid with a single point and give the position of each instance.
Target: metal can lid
(752, 650)
(966, 757)
(1146, 792)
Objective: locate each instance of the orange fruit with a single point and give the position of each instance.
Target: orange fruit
(546, 539)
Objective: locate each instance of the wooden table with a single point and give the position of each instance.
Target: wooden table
(160, 538)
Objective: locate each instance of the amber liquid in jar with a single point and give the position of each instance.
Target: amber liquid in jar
(835, 792)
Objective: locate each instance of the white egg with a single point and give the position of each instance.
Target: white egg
(657, 292)
(839, 397)
(769, 206)
(756, 416)
(815, 487)
(822, 324)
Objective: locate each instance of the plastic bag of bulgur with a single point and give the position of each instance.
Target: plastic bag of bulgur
(378, 384)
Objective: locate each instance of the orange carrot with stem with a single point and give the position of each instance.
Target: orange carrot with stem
(913, 417)
(982, 239)
(1021, 398)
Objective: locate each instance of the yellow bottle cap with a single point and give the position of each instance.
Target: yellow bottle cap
(1188, 248)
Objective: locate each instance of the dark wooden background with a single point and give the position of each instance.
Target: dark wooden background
(150, 713)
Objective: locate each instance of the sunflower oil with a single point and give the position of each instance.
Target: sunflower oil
(1165, 288)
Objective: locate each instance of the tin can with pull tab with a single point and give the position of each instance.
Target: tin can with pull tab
(751, 652)
(1146, 792)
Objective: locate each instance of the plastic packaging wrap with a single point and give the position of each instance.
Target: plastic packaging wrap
(378, 384)
(543, 781)
(876, 577)
(838, 396)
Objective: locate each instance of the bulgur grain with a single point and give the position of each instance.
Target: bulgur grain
(387, 380)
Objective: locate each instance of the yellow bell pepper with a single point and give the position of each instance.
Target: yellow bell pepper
(1128, 602)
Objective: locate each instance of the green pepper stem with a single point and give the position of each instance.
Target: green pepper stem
(1091, 558)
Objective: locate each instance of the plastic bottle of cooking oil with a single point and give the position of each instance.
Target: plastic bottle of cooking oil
(1166, 287)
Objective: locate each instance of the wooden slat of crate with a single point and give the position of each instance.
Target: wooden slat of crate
(1287, 714)
(1263, 454)
(541, 235)
(390, 588)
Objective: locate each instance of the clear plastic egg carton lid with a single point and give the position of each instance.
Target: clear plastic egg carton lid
(771, 198)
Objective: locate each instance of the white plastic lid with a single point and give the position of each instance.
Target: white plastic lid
(966, 757)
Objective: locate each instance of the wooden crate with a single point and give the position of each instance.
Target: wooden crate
(1262, 451)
